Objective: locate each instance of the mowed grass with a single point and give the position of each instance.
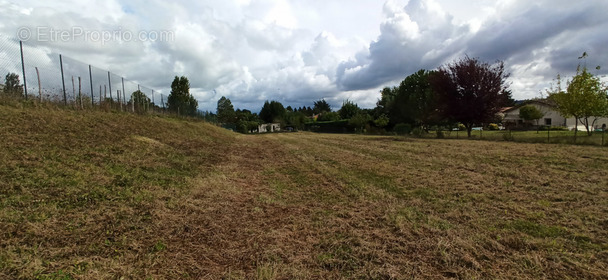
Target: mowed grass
(94, 195)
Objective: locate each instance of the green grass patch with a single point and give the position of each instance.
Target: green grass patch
(536, 229)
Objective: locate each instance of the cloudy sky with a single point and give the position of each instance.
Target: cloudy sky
(298, 51)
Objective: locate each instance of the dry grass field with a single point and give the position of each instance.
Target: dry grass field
(95, 195)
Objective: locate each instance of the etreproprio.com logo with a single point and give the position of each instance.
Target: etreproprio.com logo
(77, 33)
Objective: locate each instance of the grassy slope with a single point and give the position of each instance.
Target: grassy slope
(101, 195)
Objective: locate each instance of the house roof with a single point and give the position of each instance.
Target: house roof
(505, 109)
(545, 102)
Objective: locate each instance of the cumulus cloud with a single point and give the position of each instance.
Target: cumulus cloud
(298, 51)
(419, 35)
(536, 41)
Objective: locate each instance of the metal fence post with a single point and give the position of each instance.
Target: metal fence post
(91, 80)
(73, 88)
(39, 85)
(123, 85)
(65, 98)
(23, 69)
(110, 88)
(80, 92)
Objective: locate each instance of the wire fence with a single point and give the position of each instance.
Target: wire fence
(48, 76)
(595, 138)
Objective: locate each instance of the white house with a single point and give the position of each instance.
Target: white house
(551, 117)
(269, 127)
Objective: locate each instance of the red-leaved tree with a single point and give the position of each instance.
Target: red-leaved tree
(470, 91)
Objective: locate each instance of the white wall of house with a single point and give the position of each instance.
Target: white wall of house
(269, 127)
(551, 117)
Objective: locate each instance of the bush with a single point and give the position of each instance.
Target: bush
(402, 129)
(247, 126)
(493, 126)
(461, 127)
(360, 121)
(440, 134)
(418, 131)
(382, 121)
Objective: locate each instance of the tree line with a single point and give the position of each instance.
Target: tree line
(467, 91)
(464, 93)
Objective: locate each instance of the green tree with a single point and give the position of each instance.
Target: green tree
(348, 110)
(470, 91)
(245, 115)
(308, 111)
(225, 111)
(140, 101)
(530, 113)
(209, 116)
(387, 97)
(382, 121)
(585, 98)
(414, 101)
(296, 119)
(247, 124)
(321, 106)
(12, 86)
(180, 100)
(360, 121)
(329, 117)
(272, 111)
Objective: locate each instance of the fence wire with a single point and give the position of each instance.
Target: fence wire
(48, 76)
(10, 61)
